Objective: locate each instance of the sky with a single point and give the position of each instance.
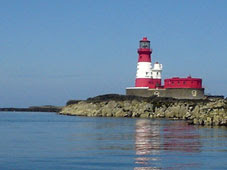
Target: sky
(54, 51)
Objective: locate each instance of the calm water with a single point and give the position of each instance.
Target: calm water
(50, 141)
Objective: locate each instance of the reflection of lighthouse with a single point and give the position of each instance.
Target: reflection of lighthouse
(179, 136)
(147, 142)
(155, 139)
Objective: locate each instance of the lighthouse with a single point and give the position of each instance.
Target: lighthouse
(144, 68)
(146, 76)
(149, 79)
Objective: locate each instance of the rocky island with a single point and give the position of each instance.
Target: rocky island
(209, 111)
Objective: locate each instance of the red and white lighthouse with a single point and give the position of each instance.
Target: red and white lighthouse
(149, 79)
(144, 68)
(146, 76)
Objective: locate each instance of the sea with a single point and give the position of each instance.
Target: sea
(33, 140)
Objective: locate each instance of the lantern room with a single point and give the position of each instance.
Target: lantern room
(145, 43)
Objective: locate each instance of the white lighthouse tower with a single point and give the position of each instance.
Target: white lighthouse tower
(157, 71)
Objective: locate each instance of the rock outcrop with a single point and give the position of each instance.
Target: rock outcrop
(210, 111)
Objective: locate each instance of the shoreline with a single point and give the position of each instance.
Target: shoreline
(33, 109)
(208, 111)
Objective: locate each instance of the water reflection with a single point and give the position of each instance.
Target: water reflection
(50, 141)
(147, 143)
(152, 139)
(179, 136)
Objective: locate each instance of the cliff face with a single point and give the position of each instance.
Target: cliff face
(201, 112)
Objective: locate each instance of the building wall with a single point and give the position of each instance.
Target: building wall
(149, 82)
(188, 82)
(179, 93)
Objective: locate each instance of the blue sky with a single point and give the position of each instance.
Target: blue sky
(53, 51)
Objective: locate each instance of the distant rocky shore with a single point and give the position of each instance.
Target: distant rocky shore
(46, 108)
(209, 111)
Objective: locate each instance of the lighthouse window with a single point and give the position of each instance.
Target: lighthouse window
(144, 44)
